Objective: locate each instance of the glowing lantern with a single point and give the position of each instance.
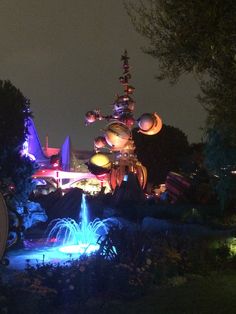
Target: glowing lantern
(100, 142)
(117, 134)
(99, 164)
(149, 123)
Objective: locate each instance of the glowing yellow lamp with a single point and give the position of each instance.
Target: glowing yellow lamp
(100, 160)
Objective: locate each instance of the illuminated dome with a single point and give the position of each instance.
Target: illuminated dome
(117, 134)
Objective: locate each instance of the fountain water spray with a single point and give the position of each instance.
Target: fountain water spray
(73, 237)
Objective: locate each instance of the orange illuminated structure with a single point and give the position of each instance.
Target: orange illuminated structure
(117, 138)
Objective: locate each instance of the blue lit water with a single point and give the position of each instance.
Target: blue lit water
(66, 240)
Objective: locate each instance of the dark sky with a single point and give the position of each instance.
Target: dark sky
(65, 56)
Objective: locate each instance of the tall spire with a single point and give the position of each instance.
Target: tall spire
(124, 80)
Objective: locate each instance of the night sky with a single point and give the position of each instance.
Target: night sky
(64, 55)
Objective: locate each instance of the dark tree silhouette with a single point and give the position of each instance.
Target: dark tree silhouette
(161, 153)
(15, 169)
(198, 37)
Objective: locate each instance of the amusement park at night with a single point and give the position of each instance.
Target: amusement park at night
(142, 218)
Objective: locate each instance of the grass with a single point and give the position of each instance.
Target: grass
(215, 293)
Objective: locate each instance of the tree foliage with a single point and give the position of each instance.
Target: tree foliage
(15, 169)
(219, 100)
(220, 161)
(187, 36)
(198, 37)
(14, 112)
(161, 153)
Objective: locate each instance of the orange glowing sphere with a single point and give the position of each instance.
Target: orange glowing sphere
(150, 123)
(117, 134)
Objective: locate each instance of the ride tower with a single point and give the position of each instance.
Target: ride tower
(115, 156)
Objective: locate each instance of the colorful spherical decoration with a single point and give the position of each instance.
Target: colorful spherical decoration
(100, 142)
(90, 116)
(99, 164)
(117, 134)
(149, 123)
(146, 121)
(100, 160)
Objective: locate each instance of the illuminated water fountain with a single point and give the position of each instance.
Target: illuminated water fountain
(66, 240)
(77, 238)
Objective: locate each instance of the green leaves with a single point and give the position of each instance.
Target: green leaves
(186, 36)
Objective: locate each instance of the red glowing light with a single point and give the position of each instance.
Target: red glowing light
(101, 176)
(53, 240)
